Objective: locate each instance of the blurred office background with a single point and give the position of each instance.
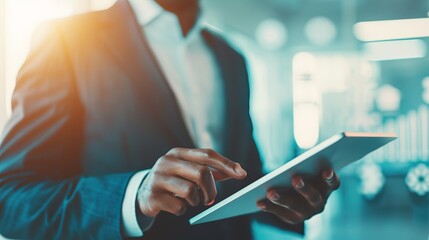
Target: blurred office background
(317, 67)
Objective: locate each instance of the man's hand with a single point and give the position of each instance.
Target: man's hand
(185, 177)
(303, 201)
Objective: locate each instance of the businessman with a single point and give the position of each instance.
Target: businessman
(128, 121)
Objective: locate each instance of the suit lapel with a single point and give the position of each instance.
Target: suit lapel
(146, 73)
(232, 75)
(236, 88)
(165, 106)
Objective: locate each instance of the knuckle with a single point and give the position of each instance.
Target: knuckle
(171, 151)
(189, 190)
(149, 210)
(227, 164)
(175, 151)
(157, 171)
(163, 164)
(209, 152)
(202, 173)
(162, 160)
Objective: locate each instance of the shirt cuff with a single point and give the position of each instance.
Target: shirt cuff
(130, 223)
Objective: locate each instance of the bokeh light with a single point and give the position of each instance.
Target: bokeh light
(425, 85)
(306, 100)
(417, 179)
(320, 31)
(372, 180)
(271, 34)
(388, 98)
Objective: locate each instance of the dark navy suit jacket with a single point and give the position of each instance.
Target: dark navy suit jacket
(91, 107)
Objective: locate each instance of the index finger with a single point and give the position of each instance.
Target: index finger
(212, 159)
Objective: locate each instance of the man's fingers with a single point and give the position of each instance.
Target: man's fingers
(285, 214)
(164, 201)
(185, 177)
(219, 175)
(211, 159)
(311, 194)
(328, 182)
(331, 179)
(182, 188)
(304, 200)
(198, 174)
(289, 199)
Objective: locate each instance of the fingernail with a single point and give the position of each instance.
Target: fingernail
(210, 203)
(240, 171)
(298, 183)
(274, 196)
(262, 205)
(328, 174)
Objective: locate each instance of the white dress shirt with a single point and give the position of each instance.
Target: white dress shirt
(192, 73)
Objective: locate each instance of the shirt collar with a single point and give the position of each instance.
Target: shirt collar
(146, 10)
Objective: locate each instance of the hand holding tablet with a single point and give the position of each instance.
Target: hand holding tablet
(305, 199)
(334, 153)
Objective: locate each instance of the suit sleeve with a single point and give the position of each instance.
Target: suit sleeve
(43, 192)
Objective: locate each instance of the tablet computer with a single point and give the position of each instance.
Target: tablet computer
(336, 152)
